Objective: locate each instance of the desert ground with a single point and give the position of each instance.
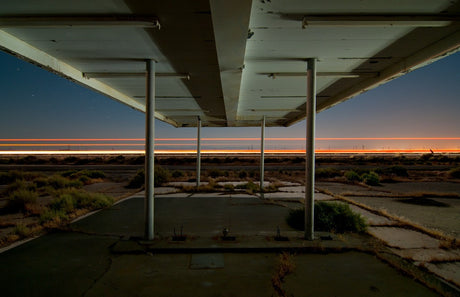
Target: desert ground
(411, 203)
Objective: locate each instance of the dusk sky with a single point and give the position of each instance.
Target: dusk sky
(424, 103)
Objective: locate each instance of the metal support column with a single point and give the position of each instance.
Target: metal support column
(262, 159)
(310, 151)
(149, 149)
(198, 151)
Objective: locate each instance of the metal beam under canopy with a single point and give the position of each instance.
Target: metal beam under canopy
(213, 57)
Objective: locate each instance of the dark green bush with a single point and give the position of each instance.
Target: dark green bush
(371, 178)
(397, 170)
(137, 181)
(161, 177)
(351, 175)
(327, 172)
(329, 217)
(215, 173)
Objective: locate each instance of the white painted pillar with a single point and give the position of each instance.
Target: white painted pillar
(149, 150)
(198, 151)
(310, 151)
(262, 157)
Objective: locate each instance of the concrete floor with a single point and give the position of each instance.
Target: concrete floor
(82, 263)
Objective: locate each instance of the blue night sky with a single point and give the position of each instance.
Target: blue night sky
(39, 104)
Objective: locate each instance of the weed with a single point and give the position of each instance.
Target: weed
(20, 199)
(20, 184)
(59, 182)
(250, 187)
(88, 173)
(229, 187)
(13, 175)
(286, 265)
(454, 173)
(330, 217)
(21, 230)
(52, 215)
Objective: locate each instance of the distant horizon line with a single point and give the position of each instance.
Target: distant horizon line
(228, 139)
(236, 151)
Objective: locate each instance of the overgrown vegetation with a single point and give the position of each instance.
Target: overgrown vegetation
(330, 217)
(25, 191)
(21, 200)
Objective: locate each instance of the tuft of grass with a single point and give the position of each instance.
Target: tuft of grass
(13, 175)
(229, 187)
(59, 182)
(21, 200)
(22, 230)
(454, 173)
(20, 184)
(329, 217)
(52, 215)
(250, 187)
(72, 199)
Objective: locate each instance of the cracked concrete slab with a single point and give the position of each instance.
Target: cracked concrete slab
(449, 271)
(165, 190)
(372, 219)
(403, 238)
(174, 195)
(428, 255)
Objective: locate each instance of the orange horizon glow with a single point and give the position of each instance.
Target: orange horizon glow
(236, 151)
(229, 139)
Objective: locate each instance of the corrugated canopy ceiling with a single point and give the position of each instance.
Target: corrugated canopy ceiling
(230, 62)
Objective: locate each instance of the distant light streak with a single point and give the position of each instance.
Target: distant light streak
(235, 151)
(225, 139)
